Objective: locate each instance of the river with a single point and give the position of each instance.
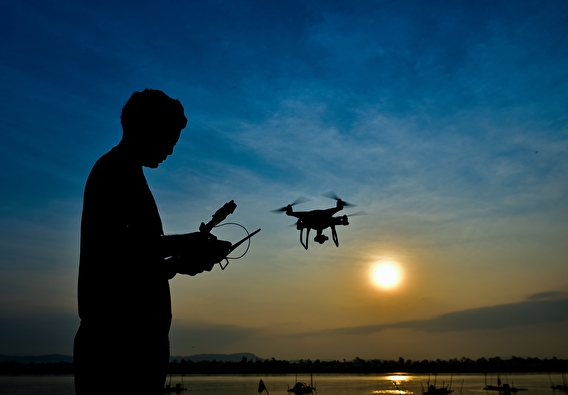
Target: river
(326, 384)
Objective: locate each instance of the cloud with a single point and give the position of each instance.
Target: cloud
(210, 337)
(541, 308)
(551, 295)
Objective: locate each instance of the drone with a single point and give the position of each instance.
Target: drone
(318, 220)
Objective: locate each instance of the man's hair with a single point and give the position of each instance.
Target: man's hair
(151, 111)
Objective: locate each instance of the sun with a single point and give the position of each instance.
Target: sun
(386, 275)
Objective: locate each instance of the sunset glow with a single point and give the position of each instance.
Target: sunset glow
(444, 122)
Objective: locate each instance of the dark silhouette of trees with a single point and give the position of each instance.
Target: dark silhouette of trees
(307, 366)
(371, 366)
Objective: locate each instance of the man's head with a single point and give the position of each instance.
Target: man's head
(151, 125)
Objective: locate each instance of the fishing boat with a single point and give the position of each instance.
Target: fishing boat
(431, 389)
(302, 388)
(502, 388)
(178, 389)
(561, 387)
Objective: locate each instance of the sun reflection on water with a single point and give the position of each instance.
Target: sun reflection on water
(398, 377)
(399, 381)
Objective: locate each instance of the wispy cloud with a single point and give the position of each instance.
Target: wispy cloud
(203, 337)
(549, 307)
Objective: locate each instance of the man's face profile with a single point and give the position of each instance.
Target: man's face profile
(157, 149)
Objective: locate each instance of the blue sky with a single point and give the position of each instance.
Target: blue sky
(445, 122)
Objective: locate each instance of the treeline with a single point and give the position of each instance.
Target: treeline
(371, 366)
(358, 365)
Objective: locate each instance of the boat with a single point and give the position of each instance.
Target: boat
(502, 388)
(178, 389)
(505, 388)
(431, 389)
(302, 388)
(561, 387)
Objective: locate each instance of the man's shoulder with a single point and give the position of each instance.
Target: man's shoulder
(113, 161)
(113, 156)
(112, 165)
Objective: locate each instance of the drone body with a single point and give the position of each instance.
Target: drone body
(318, 220)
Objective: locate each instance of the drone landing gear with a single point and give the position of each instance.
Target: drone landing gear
(304, 244)
(334, 235)
(320, 237)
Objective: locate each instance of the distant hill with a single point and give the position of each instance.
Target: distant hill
(218, 357)
(53, 358)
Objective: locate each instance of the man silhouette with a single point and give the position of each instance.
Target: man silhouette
(126, 261)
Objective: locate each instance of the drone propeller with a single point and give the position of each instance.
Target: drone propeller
(357, 214)
(333, 196)
(297, 201)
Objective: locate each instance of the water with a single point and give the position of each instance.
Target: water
(348, 384)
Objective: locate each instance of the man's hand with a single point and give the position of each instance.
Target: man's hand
(202, 255)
